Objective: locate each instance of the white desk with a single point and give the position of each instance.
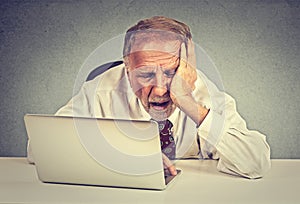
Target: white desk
(199, 183)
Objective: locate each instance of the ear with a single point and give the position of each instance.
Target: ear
(126, 63)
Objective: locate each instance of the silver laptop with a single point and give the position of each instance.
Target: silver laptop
(94, 151)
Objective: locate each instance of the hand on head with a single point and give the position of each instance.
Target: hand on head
(183, 82)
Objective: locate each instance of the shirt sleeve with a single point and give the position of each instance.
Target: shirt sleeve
(84, 104)
(225, 136)
(79, 105)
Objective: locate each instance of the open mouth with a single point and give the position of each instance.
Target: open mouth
(159, 105)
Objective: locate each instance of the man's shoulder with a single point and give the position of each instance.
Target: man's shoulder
(113, 79)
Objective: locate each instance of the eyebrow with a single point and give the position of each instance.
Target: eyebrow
(151, 69)
(171, 63)
(146, 68)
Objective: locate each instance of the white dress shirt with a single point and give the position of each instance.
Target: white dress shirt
(223, 134)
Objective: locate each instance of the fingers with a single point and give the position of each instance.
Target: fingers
(191, 56)
(183, 83)
(172, 170)
(169, 165)
(187, 53)
(183, 52)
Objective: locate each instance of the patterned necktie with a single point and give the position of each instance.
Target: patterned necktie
(168, 146)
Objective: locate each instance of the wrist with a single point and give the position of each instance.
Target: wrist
(194, 110)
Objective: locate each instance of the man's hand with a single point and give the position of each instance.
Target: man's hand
(168, 165)
(183, 82)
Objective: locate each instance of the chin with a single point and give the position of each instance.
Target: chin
(161, 115)
(158, 117)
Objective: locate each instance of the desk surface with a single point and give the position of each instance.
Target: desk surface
(200, 182)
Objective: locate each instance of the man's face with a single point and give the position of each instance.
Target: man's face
(151, 67)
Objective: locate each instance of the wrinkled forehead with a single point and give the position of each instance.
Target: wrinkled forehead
(156, 53)
(159, 41)
(159, 48)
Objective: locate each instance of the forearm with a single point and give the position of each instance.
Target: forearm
(223, 133)
(245, 153)
(240, 151)
(193, 109)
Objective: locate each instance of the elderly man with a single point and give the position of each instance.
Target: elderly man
(159, 81)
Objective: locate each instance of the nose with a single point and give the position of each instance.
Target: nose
(161, 86)
(159, 91)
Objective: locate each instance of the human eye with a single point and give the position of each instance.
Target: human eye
(146, 75)
(170, 73)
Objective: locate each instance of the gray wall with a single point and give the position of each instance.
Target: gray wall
(254, 44)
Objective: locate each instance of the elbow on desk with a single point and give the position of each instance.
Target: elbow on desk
(259, 166)
(250, 169)
(259, 169)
